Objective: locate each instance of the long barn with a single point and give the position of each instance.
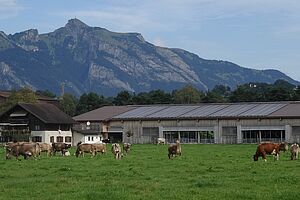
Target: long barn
(202, 123)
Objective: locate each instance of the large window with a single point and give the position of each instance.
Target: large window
(68, 139)
(150, 134)
(36, 139)
(52, 139)
(59, 139)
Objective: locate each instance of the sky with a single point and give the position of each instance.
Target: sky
(258, 34)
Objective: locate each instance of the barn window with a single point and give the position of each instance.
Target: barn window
(89, 138)
(59, 139)
(52, 139)
(92, 138)
(67, 139)
(36, 139)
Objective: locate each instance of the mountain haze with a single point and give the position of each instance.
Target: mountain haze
(94, 59)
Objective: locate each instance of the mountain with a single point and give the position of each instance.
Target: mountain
(89, 59)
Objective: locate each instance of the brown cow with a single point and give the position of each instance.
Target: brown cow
(100, 147)
(24, 149)
(174, 149)
(116, 150)
(126, 147)
(294, 151)
(45, 147)
(85, 148)
(62, 147)
(267, 148)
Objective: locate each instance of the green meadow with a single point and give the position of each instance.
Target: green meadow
(202, 172)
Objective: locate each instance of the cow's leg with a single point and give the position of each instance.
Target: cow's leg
(264, 156)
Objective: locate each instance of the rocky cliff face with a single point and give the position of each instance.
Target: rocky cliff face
(94, 59)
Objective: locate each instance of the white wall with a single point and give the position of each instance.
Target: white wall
(47, 134)
(90, 139)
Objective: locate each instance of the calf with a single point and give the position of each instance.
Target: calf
(174, 149)
(100, 147)
(116, 150)
(294, 151)
(126, 147)
(45, 147)
(265, 149)
(62, 147)
(85, 148)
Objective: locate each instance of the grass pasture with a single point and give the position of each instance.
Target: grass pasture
(202, 172)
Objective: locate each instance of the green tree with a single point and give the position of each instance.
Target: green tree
(46, 93)
(24, 95)
(68, 104)
(123, 98)
(187, 95)
(88, 102)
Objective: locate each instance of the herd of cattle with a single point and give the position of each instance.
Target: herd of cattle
(31, 149)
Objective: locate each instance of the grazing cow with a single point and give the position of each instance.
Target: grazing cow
(60, 147)
(85, 148)
(105, 140)
(126, 147)
(161, 141)
(45, 147)
(294, 151)
(174, 149)
(267, 148)
(284, 146)
(116, 150)
(24, 149)
(100, 147)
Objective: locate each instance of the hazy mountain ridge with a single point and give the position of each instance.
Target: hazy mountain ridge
(95, 59)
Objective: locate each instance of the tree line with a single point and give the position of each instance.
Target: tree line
(251, 92)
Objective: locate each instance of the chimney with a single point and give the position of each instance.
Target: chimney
(62, 92)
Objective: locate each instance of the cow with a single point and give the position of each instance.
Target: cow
(106, 140)
(284, 146)
(267, 148)
(161, 141)
(116, 150)
(100, 147)
(294, 151)
(85, 148)
(174, 149)
(60, 147)
(45, 147)
(24, 149)
(126, 147)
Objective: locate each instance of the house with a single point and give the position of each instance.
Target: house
(41, 122)
(247, 122)
(92, 127)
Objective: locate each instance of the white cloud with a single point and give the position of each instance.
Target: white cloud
(9, 8)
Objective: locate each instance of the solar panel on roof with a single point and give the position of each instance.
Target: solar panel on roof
(263, 109)
(141, 112)
(204, 110)
(233, 110)
(172, 111)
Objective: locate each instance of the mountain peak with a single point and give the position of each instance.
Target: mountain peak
(76, 23)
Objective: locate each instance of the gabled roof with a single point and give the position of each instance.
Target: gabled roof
(103, 113)
(46, 112)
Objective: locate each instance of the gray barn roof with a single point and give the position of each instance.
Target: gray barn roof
(219, 110)
(103, 113)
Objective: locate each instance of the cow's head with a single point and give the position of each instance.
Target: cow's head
(284, 146)
(255, 157)
(68, 146)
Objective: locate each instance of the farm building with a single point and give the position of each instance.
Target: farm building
(203, 123)
(42, 122)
